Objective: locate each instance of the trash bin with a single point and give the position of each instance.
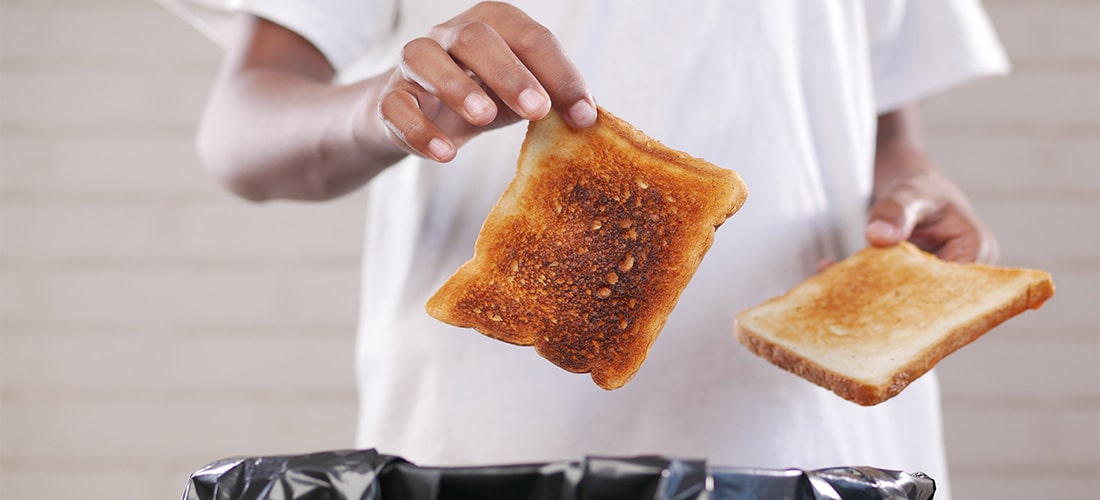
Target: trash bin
(369, 475)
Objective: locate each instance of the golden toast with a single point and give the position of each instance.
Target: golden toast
(587, 251)
(871, 324)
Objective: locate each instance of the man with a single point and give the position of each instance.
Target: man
(810, 102)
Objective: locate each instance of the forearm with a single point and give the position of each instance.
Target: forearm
(269, 133)
(899, 149)
(276, 126)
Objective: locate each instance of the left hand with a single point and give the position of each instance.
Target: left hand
(913, 201)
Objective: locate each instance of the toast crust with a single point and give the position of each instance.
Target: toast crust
(588, 249)
(825, 328)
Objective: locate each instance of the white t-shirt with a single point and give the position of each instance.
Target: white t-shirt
(786, 93)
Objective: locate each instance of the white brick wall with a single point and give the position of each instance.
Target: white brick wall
(151, 322)
(1021, 405)
(124, 267)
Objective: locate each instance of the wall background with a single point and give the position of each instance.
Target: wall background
(124, 267)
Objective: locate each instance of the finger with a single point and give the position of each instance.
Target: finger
(963, 248)
(894, 215)
(541, 52)
(400, 112)
(990, 252)
(975, 245)
(480, 48)
(824, 264)
(426, 63)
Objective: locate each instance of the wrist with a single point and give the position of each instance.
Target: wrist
(898, 161)
(368, 133)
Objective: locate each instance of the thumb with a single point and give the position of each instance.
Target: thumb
(894, 214)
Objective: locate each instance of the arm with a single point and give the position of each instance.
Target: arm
(276, 126)
(911, 200)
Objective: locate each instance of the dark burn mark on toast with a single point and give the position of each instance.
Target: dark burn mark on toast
(584, 269)
(587, 251)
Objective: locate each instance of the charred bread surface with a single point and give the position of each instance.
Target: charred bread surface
(587, 251)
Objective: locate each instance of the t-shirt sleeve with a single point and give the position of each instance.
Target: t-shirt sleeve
(922, 47)
(343, 30)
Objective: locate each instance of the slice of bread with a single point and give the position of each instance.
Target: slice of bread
(587, 251)
(871, 324)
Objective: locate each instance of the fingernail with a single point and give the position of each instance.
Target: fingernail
(582, 114)
(880, 230)
(439, 148)
(531, 101)
(477, 105)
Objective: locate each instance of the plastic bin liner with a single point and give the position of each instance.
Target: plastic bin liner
(369, 475)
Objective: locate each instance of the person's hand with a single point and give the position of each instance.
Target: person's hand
(913, 201)
(490, 66)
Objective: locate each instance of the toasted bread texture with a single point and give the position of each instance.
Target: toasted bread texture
(587, 251)
(871, 324)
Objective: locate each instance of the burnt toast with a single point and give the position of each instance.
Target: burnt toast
(586, 253)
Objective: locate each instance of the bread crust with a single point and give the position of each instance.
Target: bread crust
(1029, 289)
(587, 251)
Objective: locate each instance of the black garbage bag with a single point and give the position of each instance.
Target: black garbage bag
(369, 475)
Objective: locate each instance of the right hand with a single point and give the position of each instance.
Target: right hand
(490, 66)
